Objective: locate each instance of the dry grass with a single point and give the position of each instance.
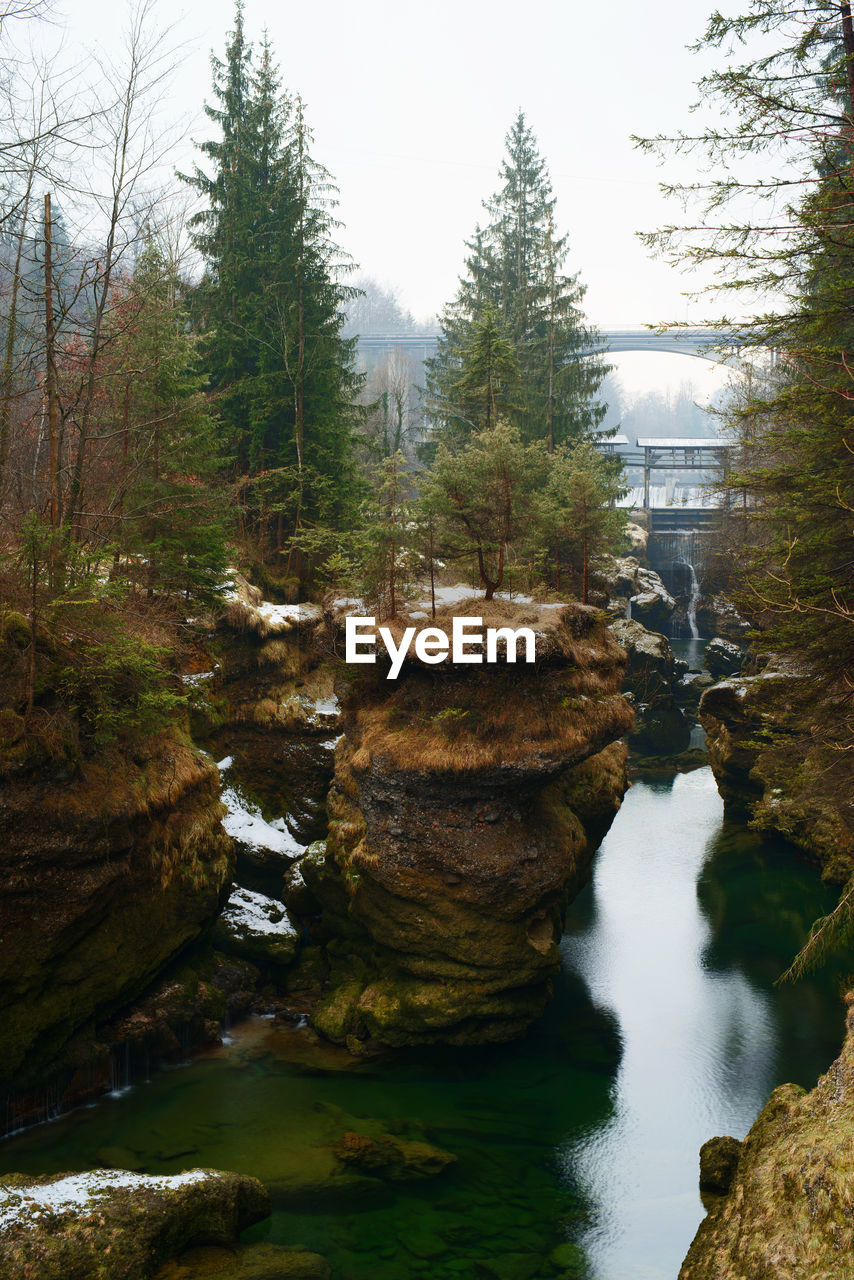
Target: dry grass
(456, 720)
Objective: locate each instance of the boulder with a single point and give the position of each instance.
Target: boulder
(257, 928)
(63, 1226)
(722, 658)
(651, 667)
(653, 608)
(718, 1164)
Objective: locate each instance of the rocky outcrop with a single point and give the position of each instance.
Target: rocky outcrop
(718, 616)
(635, 591)
(272, 669)
(788, 1213)
(107, 876)
(97, 1225)
(767, 745)
(653, 681)
(257, 928)
(723, 658)
(464, 810)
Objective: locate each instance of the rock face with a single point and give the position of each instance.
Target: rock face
(84, 1226)
(788, 1214)
(465, 807)
(107, 876)
(772, 765)
(629, 583)
(653, 681)
(723, 658)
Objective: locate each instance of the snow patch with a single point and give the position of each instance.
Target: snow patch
(245, 823)
(253, 913)
(80, 1193)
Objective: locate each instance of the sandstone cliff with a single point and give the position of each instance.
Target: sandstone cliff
(466, 804)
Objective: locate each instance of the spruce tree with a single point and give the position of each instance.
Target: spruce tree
(515, 267)
(271, 307)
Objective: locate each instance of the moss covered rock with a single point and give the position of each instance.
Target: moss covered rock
(770, 744)
(456, 839)
(789, 1212)
(107, 877)
(101, 1225)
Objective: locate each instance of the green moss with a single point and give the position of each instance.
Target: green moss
(788, 1213)
(132, 1231)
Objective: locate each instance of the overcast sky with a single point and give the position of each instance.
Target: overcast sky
(410, 103)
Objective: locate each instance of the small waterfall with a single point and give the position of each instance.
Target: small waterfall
(692, 604)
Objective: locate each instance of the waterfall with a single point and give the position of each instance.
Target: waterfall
(692, 604)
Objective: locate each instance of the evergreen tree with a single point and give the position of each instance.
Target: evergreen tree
(271, 306)
(481, 499)
(515, 266)
(225, 236)
(576, 516)
(795, 481)
(488, 385)
(165, 510)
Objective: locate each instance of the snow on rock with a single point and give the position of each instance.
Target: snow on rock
(77, 1194)
(250, 912)
(199, 677)
(245, 823)
(257, 927)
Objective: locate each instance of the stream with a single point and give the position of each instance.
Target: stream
(665, 1029)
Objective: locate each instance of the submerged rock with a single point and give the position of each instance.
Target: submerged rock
(392, 1157)
(110, 1223)
(465, 808)
(788, 1214)
(246, 1262)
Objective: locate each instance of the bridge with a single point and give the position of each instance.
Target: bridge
(706, 343)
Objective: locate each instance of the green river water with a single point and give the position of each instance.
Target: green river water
(665, 1028)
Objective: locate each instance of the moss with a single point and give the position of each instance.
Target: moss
(108, 879)
(130, 1231)
(788, 1214)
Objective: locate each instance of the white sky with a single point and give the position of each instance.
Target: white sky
(410, 103)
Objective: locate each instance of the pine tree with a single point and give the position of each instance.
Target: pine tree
(165, 510)
(515, 266)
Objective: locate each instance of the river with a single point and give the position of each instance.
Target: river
(666, 1028)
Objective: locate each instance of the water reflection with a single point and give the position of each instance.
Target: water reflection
(705, 1035)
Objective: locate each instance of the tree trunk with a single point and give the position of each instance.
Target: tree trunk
(50, 371)
(848, 42)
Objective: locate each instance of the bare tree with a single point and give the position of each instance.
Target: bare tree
(125, 202)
